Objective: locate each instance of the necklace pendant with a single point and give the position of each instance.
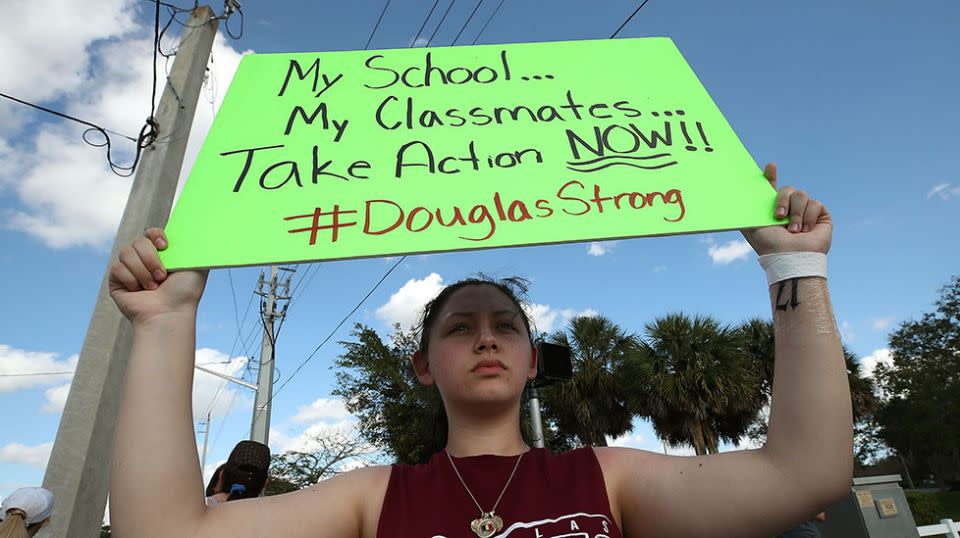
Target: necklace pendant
(486, 525)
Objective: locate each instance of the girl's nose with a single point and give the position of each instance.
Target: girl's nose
(486, 341)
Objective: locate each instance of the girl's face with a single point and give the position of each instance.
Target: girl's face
(479, 349)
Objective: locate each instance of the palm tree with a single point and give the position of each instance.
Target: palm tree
(592, 403)
(759, 347)
(691, 377)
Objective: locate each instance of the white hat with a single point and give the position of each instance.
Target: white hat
(36, 502)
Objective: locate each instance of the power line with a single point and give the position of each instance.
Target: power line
(337, 328)
(42, 373)
(470, 18)
(66, 116)
(422, 26)
(156, 49)
(146, 137)
(492, 15)
(233, 291)
(613, 35)
(375, 26)
(439, 24)
(229, 7)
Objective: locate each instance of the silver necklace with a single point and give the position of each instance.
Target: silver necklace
(489, 523)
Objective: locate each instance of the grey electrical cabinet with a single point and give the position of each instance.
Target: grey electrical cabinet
(875, 508)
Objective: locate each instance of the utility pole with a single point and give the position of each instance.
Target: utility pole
(260, 424)
(206, 435)
(79, 468)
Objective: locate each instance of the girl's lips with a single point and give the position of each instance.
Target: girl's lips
(488, 367)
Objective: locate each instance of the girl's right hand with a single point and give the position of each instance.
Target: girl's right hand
(143, 289)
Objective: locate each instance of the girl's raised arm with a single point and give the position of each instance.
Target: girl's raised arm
(807, 462)
(156, 484)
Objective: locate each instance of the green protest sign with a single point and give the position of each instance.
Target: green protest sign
(338, 155)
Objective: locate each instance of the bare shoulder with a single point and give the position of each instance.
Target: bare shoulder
(624, 467)
(364, 489)
(345, 506)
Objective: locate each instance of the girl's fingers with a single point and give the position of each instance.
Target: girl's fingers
(157, 237)
(131, 259)
(798, 205)
(148, 255)
(811, 215)
(122, 276)
(783, 201)
(770, 172)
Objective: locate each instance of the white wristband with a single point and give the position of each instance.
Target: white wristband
(786, 265)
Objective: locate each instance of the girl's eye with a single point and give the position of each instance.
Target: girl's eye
(458, 328)
(507, 326)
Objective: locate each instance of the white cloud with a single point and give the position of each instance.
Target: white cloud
(600, 248)
(545, 319)
(944, 191)
(869, 363)
(322, 409)
(846, 332)
(659, 268)
(305, 440)
(36, 456)
(631, 440)
(212, 393)
(101, 71)
(406, 305)
(16, 362)
(56, 399)
(880, 324)
(35, 66)
(730, 251)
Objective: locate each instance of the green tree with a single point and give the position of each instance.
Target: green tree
(395, 412)
(593, 403)
(758, 346)
(920, 412)
(693, 380)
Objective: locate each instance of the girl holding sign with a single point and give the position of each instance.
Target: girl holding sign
(476, 347)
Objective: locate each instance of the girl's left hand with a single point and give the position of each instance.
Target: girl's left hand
(810, 228)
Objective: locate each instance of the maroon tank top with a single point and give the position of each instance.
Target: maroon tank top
(551, 496)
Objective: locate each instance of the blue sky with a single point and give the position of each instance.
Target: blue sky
(855, 101)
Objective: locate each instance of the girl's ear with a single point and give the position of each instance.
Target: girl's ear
(421, 367)
(534, 360)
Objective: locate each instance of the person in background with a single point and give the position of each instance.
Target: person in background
(243, 476)
(25, 512)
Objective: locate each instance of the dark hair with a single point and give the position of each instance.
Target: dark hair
(242, 481)
(515, 288)
(212, 485)
(244, 475)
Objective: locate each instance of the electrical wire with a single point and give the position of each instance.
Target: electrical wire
(490, 18)
(632, 15)
(462, 28)
(233, 293)
(422, 26)
(228, 13)
(439, 24)
(32, 374)
(377, 25)
(67, 116)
